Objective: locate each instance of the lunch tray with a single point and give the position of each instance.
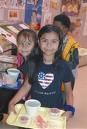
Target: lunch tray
(44, 119)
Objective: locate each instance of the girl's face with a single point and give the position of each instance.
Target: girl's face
(25, 46)
(49, 43)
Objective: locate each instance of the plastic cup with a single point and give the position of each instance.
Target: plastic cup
(32, 106)
(13, 73)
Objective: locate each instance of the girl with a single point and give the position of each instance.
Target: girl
(49, 74)
(26, 43)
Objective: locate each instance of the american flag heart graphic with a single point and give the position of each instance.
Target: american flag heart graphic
(45, 79)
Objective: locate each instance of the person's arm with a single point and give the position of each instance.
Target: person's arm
(69, 100)
(69, 93)
(20, 94)
(68, 78)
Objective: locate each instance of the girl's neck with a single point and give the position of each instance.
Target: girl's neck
(48, 59)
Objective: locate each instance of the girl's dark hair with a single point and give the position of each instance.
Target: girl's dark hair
(31, 58)
(48, 29)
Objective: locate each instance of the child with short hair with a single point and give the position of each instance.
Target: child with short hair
(69, 47)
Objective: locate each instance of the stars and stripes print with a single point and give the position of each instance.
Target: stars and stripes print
(45, 79)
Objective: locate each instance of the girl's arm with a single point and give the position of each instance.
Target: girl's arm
(20, 94)
(69, 93)
(69, 100)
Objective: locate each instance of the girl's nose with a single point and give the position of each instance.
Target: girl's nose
(48, 44)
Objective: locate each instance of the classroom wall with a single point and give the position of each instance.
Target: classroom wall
(12, 11)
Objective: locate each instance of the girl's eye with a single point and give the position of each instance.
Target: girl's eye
(26, 43)
(43, 40)
(29, 43)
(54, 41)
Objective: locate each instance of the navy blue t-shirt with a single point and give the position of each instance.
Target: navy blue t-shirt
(47, 87)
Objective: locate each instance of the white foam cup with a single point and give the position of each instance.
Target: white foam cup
(13, 73)
(32, 106)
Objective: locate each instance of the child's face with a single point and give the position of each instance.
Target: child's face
(49, 43)
(61, 26)
(58, 24)
(25, 46)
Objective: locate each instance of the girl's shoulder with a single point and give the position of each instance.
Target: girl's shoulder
(62, 63)
(64, 67)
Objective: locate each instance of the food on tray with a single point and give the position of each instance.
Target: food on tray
(55, 111)
(23, 119)
(41, 123)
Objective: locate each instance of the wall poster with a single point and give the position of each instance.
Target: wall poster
(71, 7)
(13, 14)
(33, 13)
(41, 12)
(49, 10)
(12, 10)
